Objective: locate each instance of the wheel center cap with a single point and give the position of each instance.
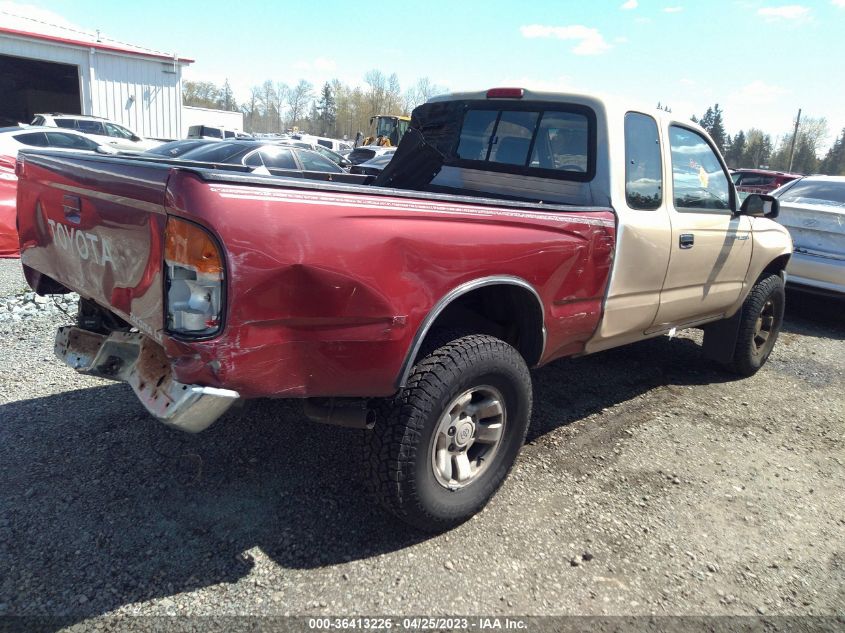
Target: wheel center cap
(466, 429)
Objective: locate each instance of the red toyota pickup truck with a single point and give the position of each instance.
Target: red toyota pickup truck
(512, 228)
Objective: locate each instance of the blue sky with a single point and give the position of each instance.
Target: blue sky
(760, 59)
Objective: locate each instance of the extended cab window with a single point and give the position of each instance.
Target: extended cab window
(698, 180)
(643, 172)
(540, 142)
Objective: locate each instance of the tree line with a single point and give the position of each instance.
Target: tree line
(755, 149)
(335, 110)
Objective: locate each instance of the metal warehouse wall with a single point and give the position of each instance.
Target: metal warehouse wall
(141, 93)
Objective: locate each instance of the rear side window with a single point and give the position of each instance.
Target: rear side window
(69, 124)
(643, 171)
(229, 134)
(272, 158)
(70, 141)
(33, 139)
(90, 127)
(39, 120)
(311, 161)
(529, 141)
(324, 143)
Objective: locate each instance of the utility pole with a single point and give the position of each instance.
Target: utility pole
(794, 137)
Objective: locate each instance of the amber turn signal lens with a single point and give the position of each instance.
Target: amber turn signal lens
(189, 245)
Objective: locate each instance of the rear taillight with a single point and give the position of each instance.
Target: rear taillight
(195, 277)
(505, 93)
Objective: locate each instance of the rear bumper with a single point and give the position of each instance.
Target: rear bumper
(815, 271)
(139, 361)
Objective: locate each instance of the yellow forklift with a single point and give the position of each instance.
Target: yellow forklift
(389, 130)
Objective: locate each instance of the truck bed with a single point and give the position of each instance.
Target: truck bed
(326, 284)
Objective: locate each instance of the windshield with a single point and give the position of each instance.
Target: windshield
(820, 192)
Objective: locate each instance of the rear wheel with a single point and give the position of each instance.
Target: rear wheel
(445, 443)
(760, 322)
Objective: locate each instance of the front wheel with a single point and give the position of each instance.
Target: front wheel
(760, 321)
(444, 444)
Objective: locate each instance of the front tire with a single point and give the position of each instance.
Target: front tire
(760, 322)
(444, 444)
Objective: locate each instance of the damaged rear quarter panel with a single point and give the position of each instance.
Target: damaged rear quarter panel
(326, 290)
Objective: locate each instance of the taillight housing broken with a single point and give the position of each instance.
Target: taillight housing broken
(195, 278)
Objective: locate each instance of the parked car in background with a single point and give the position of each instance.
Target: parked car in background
(174, 149)
(333, 156)
(16, 138)
(368, 152)
(372, 167)
(105, 132)
(215, 133)
(813, 211)
(759, 180)
(330, 143)
(259, 154)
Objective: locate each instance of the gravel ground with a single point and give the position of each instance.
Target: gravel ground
(652, 483)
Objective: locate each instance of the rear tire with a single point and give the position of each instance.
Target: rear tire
(759, 325)
(443, 445)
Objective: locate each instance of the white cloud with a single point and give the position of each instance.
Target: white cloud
(838, 3)
(15, 15)
(757, 93)
(590, 41)
(620, 40)
(673, 9)
(632, 4)
(685, 81)
(786, 12)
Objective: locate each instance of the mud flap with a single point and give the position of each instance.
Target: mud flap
(720, 338)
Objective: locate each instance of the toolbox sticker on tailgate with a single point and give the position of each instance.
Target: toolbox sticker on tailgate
(86, 246)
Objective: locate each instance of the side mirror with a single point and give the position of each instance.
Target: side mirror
(760, 205)
(135, 138)
(345, 162)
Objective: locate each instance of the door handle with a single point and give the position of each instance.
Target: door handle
(686, 240)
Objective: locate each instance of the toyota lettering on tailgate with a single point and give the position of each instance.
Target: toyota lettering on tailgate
(81, 243)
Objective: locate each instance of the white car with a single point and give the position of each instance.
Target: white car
(103, 131)
(813, 211)
(13, 139)
(331, 143)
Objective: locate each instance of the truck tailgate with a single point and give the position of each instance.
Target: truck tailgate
(96, 227)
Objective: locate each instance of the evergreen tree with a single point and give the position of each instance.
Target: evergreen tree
(833, 163)
(714, 125)
(327, 111)
(736, 150)
(226, 98)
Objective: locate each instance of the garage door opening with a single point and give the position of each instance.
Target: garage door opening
(30, 86)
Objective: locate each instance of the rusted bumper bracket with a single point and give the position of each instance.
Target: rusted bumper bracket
(138, 360)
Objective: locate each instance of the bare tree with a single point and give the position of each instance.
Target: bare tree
(299, 98)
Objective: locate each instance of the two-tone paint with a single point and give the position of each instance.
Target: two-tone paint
(329, 289)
